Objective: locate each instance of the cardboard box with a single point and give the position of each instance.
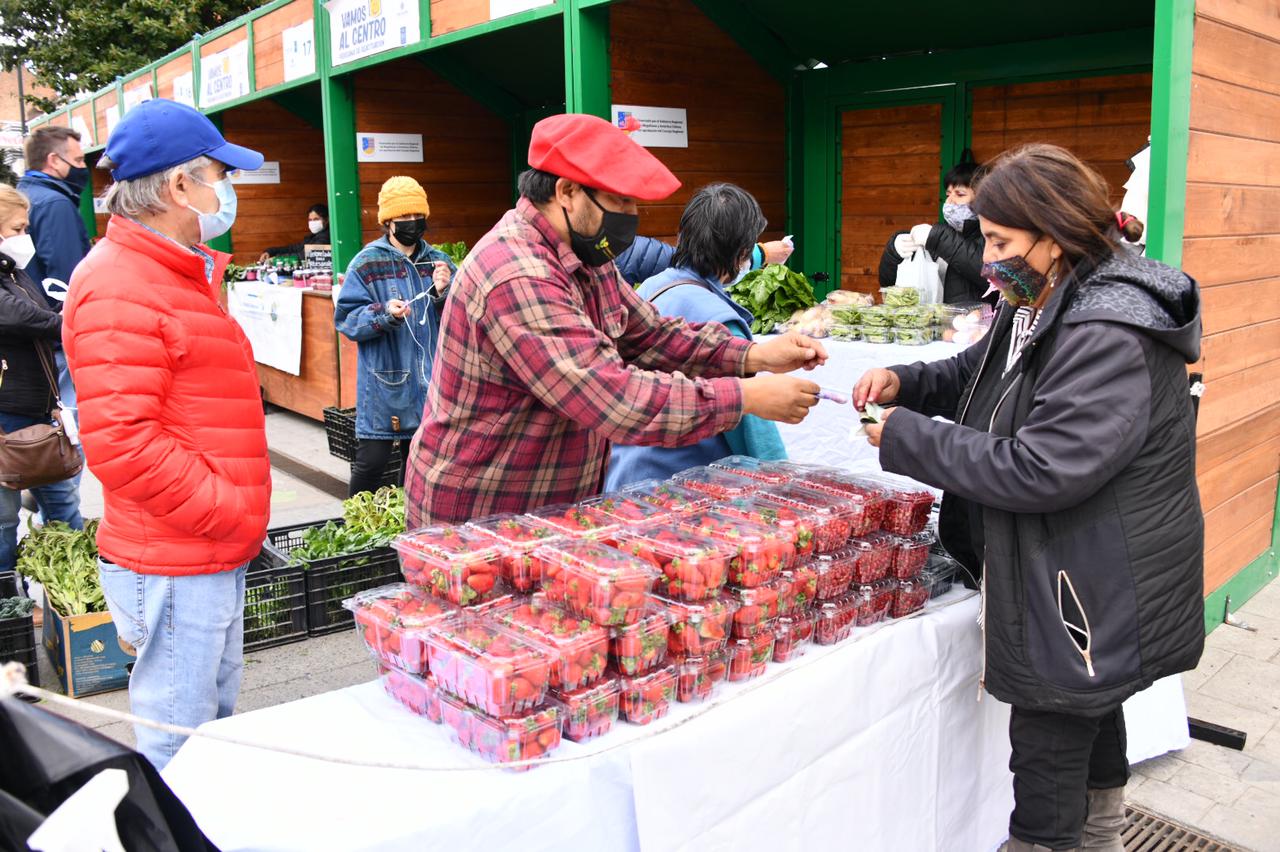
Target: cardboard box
(86, 652)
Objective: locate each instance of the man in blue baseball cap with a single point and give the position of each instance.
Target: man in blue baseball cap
(170, 417)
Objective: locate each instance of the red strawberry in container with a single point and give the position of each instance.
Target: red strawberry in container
(873, 498)
(488, 666)
(507, 739)
(694, 567)
(456, 563)
(907, 507)
(910, 554)
(835, 572)
(640, 647)
(792, 634)
(575, 521)
(456, 716)
(875, 557)
(581, 648)
(393, 620)
(801, 591)
(760, 552)
(748, 657)
(758, 607)
(693, 679)
(590, 712)
(519, 535)
(649, 696)
(835, 515)
(836, 619)
(720, 484)
(418, 694)
(911, 596)
(698, 628)
(670, 496)
(598, 582)
(625, 510)
(797, 523)
(754, 468)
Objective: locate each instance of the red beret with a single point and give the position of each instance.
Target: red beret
(591, 151)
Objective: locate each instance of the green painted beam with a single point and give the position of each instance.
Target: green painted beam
(86, 210)
(586, 59)
(1170, 128)
(337, 100)
(761, 44)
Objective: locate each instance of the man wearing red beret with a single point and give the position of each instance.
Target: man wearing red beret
(547, 356)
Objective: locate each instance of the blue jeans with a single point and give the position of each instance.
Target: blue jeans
(58, 502)
(189, 635)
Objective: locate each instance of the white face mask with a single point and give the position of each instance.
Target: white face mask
(216, 224)
(742, 271)
(20, 248)
(315, 226)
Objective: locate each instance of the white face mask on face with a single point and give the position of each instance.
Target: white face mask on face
(742, 271)
(315, 226)
(20, 248)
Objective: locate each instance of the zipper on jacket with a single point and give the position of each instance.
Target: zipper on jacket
(1074, 630)
(981, 366)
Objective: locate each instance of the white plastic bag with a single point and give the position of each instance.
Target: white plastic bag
(920, 272)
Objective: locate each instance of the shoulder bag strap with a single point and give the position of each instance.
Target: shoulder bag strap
(673, 285)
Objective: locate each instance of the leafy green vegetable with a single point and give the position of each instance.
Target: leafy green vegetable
(65, 562)
(332, 539)
(377, 513)
(15, 607)
(772, 294)
(456, 251)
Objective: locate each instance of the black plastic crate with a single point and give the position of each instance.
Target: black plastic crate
(330, 581)
(340, 429)
(275, 604)
(18, 635)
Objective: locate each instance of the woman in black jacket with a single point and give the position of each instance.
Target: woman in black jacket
(1069, 480)
(27, 326)
(317, 224)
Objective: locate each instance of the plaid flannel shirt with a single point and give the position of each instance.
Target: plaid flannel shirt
(542, 363)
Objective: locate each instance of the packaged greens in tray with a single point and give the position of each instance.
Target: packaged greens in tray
(845, 332)
(847, 314)
(877, 335)
(913, 316)
(879, 316)
(912, 336)
(899, 297)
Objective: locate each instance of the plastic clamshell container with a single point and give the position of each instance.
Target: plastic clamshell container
(838, 482)
(940, 573)
(911, 596)
(596, 581)
(487, 665)
(877, 334)
(418, 694)
(760, 553)
(836, 619)
(649, 696)
(911, 553)
(846, 331)
(627, 510)
(801, 589)
(640, 647)
(913, 316)
(720, 484)
(393, 621)
(795, 521)
(519, 535)
(694, 679)
(875, 600)
(575, 521)
(458, 563)
(698, 628)
(899, 297)
(753, 468)
(672, 496)
(758, 607)
(581, 648)
(906, 507)
(504, 739)
(875, 557)
(912, 336)
(692, 567)
(835, 572)
(836, 515)
(749, 657)
(876, 318)
(588, 713)
(792, 635)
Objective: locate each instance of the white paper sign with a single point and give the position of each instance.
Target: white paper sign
(224, 76)
(269, 173)
(299, 50)
(184, 90)
(653, 127)
(137, 95)
(364, 27)
(79, 125)
(113, 118)
(272, 320)
(99, 206)
(389, 147)
(502, 8)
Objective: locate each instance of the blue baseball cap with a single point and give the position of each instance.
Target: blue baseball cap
(158, 134)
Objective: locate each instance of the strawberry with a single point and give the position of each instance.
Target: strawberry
(597, 582)
(393, 621)
(698, 628)
(640, 647)
(476, 659)
(451, 561)
(649, 696)
(589, 712)
(748, 657)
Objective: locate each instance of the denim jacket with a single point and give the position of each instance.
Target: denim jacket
(396, 355)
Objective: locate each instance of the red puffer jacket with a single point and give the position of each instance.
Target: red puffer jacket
(170, 413)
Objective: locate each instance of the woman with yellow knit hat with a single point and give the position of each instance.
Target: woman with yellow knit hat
(390, 306)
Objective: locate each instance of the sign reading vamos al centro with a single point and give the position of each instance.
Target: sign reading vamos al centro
(365, 27)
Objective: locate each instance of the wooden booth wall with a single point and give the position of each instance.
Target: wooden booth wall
(268, 41)
(666, 53)
(99, 179)
(1231, 246)
(85, 113)
(466, 168)
(275, 214)
(165, 73)
(105, 101)
(451, 15)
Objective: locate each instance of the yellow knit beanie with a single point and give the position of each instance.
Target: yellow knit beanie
(401, 196)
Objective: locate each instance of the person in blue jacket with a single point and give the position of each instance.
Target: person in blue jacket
(647, 256)
(718, 233)
(390, 306)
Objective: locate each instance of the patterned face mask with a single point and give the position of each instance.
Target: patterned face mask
(956, 214)
(1018, 281)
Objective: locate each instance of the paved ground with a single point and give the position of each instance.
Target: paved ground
(1232, 795)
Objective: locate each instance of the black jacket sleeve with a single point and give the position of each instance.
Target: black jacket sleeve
(1088, 420)
(23, 317)
(963, 254)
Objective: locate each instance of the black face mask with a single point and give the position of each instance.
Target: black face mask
(77, 176)
(408, 233)
(617, 233)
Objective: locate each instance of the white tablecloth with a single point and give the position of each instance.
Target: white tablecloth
(876, 743)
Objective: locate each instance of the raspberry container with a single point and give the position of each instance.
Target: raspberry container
(487, 665)
(627, 510)
(911, 597)
(581, 648)
(758, 607)
(693, 567)
(760, 551)
(393, 620)
(874, 497)
(505, 739)
(587, 713)
(792, 635)
(519, 536)
(835, 571)
(675, 498)
(640, 647)
(754, 468)
(649, 696)
(576, 521)
(907, 507)
(598, 582)
(910, 554)
(836, 514)
(418, 694)
(798, 523)
(801, 591)
(875, 600)
(720, 484)
(836, 619)
(749, 657)
(875, 557)
(457, 563)
(698, 629)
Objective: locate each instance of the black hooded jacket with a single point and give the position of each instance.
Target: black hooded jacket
(1082, 461)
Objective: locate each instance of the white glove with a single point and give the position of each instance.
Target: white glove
(904, 245)
(920, 234)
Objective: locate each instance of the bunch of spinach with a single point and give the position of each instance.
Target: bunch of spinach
(772, 294)
(456, 251)
(379, 513)
(65, 562)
